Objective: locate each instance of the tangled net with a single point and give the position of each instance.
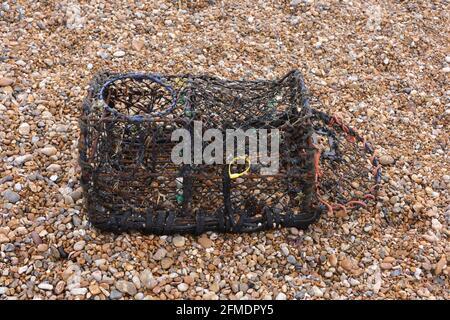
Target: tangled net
(131, 183)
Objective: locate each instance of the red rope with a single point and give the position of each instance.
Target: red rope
(353, 138)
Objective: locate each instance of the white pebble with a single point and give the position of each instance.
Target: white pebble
(24, 129)
(119, 54)
(45, 286)
(281, 296)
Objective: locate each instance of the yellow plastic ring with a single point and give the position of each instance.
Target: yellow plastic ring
(237, 175)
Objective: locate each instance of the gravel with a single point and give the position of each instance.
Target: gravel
(382, 67)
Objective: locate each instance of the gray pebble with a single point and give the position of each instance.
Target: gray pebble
(115, 295)
(291, 259)
(11, 196)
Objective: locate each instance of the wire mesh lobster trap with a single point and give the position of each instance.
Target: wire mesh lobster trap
(131, 182)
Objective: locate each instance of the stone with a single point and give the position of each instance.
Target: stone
(440, 265)
(48, 151)
(115, 295)
(4, 82)
(137, 44)
(45, 286)
(19, 160)
(78, 246)
(291, 259)
(182, 287)
(94, 289)
(214, 287)
(126, 287)
(8, 247)
(43, 247)
(284, 249)
(159, 254)
(281, 296)
(178, 241)
(24, 129)
(205, 242)
(347, 264)
(54, 167)
(78, 291)
(317, 292)
(60, 286)
(3, 238)
(295, 20)
(11, 196)
(188, 280)
(3, 290)
(119, 54)
(74, 20)
(385, 266)
(147, 279)
(436, 225)
(446, 69)
(386, 160)
(6, 179)
(77, 194)
(332, 259)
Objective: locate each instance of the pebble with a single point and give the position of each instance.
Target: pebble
(159, 254)
(94, 289)
(182, 287)
(386, 160)
(385, 266)
(346, 264)
(281, 296)
(166, 263)
(446, 69)
(54, 167)
(43, 247)
(19, 160)
(214, 287)
(24, 129)
(115, 295)
(45, 286)
(49, 151)
(6, 179)
(178, 241)
(317, 292)
(78, 291)
(3, 290)
(291, 259)
(440, 265)
(332, 259)
(8, 247)
(119, 54)
(436, 225)
(78, 246)
(284, 249)
(147, 279)
(60, 286)
(11, 196)
(4, 82)
(126, 287)
(3, 238)
(205, 242)
(138, 44)
(77, 194)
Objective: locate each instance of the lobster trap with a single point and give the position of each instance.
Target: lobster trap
(132, 182)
